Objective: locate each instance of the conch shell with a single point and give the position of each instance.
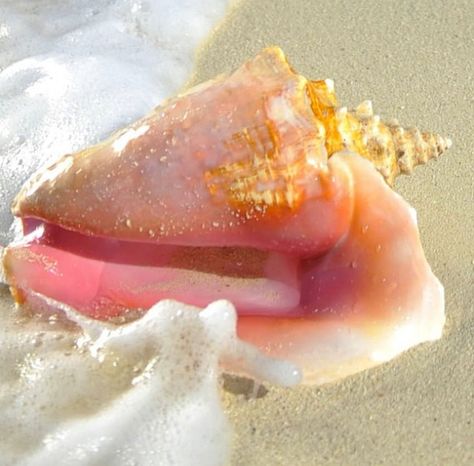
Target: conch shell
(251, 187)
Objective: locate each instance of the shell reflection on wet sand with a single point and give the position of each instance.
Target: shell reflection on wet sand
(254, 187)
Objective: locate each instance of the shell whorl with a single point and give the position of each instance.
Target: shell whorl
(390, 147)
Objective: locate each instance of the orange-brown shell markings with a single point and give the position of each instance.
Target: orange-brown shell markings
(263, 182)
(284, 148)
(390, 147)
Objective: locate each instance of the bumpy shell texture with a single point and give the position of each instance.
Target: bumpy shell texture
(391, 148)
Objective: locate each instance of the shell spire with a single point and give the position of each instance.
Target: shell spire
(390, 147)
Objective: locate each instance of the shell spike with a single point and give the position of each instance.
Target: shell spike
(364, 109)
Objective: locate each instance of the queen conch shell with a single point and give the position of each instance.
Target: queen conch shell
(251, 187)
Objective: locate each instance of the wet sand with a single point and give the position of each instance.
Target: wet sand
(414, 60)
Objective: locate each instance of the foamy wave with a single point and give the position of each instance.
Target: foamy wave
(141, 393)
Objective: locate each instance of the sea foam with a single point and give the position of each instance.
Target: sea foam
(142, 393)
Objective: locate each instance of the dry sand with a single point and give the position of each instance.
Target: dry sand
(415, 61)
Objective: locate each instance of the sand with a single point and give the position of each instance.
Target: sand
(415, 61)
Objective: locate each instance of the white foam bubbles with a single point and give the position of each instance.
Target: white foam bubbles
(141, 393)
